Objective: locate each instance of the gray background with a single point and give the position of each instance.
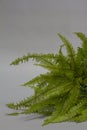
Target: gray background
(32, 26)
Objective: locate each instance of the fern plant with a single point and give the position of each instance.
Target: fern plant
(61, 93)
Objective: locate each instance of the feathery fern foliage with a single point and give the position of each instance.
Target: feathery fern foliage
(61, 93)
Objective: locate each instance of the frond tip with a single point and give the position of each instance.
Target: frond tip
(61, 92)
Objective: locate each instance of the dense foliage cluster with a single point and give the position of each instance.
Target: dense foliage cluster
(60, 93)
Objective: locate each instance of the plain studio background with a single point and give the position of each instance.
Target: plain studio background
(32, 26)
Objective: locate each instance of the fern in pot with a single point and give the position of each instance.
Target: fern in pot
(61, 93)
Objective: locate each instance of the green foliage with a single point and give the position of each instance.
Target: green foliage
(60, 93)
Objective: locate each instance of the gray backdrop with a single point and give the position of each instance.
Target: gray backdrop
(32, 26)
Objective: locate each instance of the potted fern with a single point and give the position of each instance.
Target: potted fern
(61, 93)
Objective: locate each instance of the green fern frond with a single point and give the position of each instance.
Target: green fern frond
(82, 116)
(41, 58)
(82, 51)
(72, 97)
(75, 110)
(82, 36)
(68, 45)
(61, 92)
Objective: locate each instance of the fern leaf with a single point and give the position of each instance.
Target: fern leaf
(62, 89)
(57, 110)
(42, 58)
(82, 116)
(72, 98)
(82, 36)
(68, 45)
(71, 113)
